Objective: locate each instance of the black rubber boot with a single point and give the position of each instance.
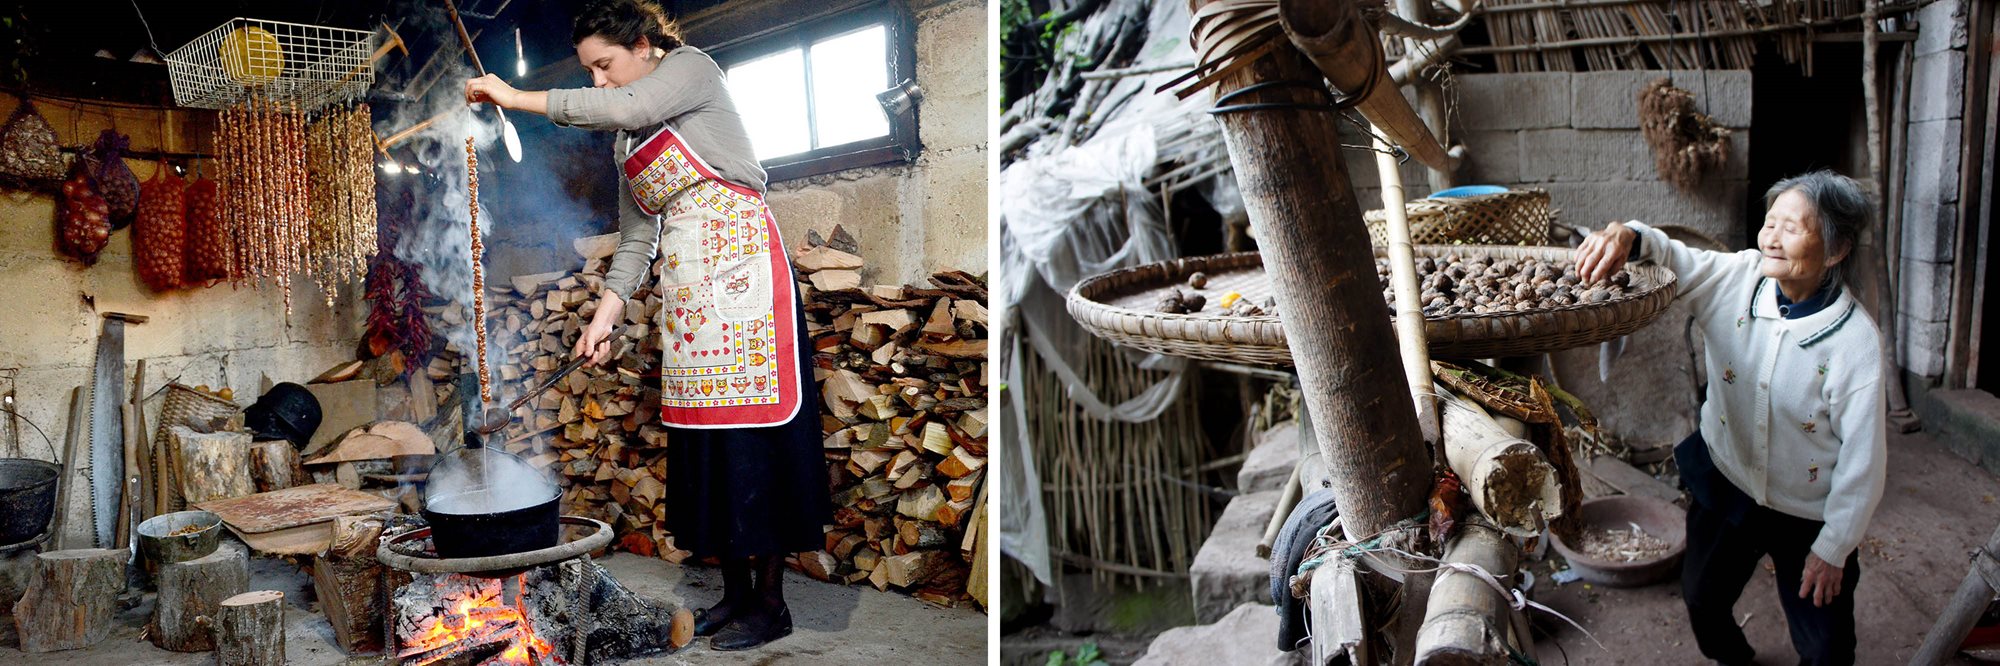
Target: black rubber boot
(767, 618)
(736, 591)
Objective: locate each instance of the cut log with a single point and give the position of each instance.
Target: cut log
(826, 258)
(190, 593)
(596, 247)
(212, 465)
(836, 280)
(349, 583)
(250, 630)
(1509, 480)
(71, 599)
(274, 465)
(913, 569)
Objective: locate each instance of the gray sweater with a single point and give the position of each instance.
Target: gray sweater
(686, 92)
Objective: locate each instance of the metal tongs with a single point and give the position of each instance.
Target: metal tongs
(496, 419)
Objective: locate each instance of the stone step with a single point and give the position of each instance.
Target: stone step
(1247, 635)
(1227, 571)
(1270, 462)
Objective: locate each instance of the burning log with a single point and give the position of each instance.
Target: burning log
(250, 630)
(190, 593)
(71, 599)
(570, 612)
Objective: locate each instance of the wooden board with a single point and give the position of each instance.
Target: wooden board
(293, 507)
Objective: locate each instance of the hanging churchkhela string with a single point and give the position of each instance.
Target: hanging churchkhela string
(478, 276)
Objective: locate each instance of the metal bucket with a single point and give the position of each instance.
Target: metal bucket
(160, 544)
(27, 498)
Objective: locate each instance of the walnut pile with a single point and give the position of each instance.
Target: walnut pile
(1455, 285)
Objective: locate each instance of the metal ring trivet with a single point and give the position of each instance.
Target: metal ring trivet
(420, 563)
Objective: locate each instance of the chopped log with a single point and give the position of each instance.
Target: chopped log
(274, 465)
(1509, 480)
(348, 581)
(190, 593)
(826, 258)
(596, 247)
(913, 569)
(250, 630)
(212, 465)
(919, 534)
(71, 599)
(1466, 619)
(836, 280)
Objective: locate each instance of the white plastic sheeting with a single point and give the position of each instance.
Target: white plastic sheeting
(1067, 213)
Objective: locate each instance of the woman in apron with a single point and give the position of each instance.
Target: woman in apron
(746, 480)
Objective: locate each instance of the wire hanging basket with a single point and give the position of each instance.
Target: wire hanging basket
(288, 63)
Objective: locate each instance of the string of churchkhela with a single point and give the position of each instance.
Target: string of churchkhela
(478, 276)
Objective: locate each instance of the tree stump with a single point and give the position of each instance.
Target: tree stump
(274, 465)
(192, 591)
(70, 600)
(250, 629)
(212, 465)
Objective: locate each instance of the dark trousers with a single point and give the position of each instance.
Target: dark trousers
(1725, 540)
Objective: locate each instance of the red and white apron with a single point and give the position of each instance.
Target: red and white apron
(727, 313)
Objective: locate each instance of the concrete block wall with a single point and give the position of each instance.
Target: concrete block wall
(1930, 189)
(51, 307)
(930, 214)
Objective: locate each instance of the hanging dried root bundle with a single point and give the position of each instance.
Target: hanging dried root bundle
(1686, 143)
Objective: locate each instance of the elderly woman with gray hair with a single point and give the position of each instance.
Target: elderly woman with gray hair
(1790, 455)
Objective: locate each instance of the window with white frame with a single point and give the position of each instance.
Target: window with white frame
(807, 93)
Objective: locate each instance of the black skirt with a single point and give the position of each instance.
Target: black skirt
(752, 492)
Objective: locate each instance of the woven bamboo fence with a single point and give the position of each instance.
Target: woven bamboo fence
(1603, 35)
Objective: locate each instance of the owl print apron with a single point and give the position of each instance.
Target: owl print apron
(727, 311)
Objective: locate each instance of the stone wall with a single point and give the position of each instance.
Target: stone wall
(930, 214)
(51, 307)
(1930, 191)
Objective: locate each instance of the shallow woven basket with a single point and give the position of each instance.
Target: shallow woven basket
(1118, 306)
(1516, 217)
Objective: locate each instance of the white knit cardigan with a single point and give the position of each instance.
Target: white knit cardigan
(1794, 414)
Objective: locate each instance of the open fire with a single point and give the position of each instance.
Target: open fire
(466, 620)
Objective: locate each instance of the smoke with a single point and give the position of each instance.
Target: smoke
(477, 481)
(526, 203)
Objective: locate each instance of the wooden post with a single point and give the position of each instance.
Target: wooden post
(1467, 620)
(1965, 606)
(190, 593)
(70, 600)
(1298, 195)
(250, 630)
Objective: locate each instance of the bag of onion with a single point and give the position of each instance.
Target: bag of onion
(207, 239)
(158, 239)
(114, 179)
(83, 222)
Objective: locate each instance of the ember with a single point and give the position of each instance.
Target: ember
(465, 617)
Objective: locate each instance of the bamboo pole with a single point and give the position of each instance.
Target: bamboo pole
(1345, 49)
(1467, 621)
(1416, 353)
(1964, 608)
(1509, 480)
(1298, 195)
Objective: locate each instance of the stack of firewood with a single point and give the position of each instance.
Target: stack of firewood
(902, 378)
(901, 372)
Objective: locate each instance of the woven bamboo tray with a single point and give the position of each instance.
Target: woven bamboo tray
(1118, 306)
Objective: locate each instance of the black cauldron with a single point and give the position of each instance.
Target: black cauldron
(27, 498)
(458, 531)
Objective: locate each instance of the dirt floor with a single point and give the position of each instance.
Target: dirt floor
(1936, 510)
(834, 624)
